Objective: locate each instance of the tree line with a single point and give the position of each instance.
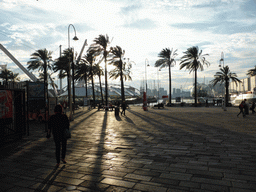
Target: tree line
(88, 67)
(193, 60)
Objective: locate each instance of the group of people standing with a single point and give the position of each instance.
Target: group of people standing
(244, 108)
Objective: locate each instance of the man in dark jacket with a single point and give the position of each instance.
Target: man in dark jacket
(58, 123)
(123, 106)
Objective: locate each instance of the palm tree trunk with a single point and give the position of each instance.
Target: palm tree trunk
(68, 74)
(106, 79)
(93, 93)
(45, 84)
(227, 93)
(102, 99)
(85, 81)
(122, 87)
(195, 87)
(6, 80)
(45, 93)
(170, 86)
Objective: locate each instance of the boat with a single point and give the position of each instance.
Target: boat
(249, 96)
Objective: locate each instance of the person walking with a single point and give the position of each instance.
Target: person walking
(58, 123)
(123, 106)
(241, 108)
(253, 107)
(206, 103)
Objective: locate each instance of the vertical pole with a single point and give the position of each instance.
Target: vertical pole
(45, 94)
(69, 69)
(27, 110)
(73, 82)
(106, 82)
(69, 80)
(195, 87)
(158, 83)
(170, 86)
(60, 78)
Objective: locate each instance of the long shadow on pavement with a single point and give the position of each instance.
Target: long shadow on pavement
(197, 126)
(212, 134)
(97, 169)
(78, 123)
(48, 181)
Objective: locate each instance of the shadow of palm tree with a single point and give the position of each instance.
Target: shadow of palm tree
(78, 123)
(96, 176)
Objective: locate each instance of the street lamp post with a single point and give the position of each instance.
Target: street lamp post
(222, 61)
(145, 91)
(69, 79)
(146, 65)
(157, 84)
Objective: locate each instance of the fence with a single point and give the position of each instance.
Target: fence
(13, 121)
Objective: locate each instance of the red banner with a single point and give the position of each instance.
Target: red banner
(5, 104)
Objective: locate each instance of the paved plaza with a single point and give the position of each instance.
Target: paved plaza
(175, 149)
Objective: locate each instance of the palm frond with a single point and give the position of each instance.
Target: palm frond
(224, 75)
(193, 59)
(252, 72)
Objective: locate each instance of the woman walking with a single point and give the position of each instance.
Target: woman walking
(241, 108)
(58, 123)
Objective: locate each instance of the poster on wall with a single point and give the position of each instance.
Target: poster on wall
(35, 89)
(6, 104)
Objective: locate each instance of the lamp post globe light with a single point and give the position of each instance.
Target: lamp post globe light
(71, 111)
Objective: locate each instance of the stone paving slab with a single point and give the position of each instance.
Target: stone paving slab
(170, 149)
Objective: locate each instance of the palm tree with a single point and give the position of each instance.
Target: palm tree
(224, 76)
(167, 60)
(252, 72)
(62, 64)
(101, 47)
(99, 72)
(14, 77)
(194, 60)
(41, 60)
(82, 72)
(90, 58)
(5, 75)
(122, 69)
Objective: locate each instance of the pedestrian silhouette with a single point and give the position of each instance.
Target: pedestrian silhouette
(57, 125)
(241, 108)
(123, 106)
(253, 107)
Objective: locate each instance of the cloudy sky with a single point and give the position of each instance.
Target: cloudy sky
(141, 27)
